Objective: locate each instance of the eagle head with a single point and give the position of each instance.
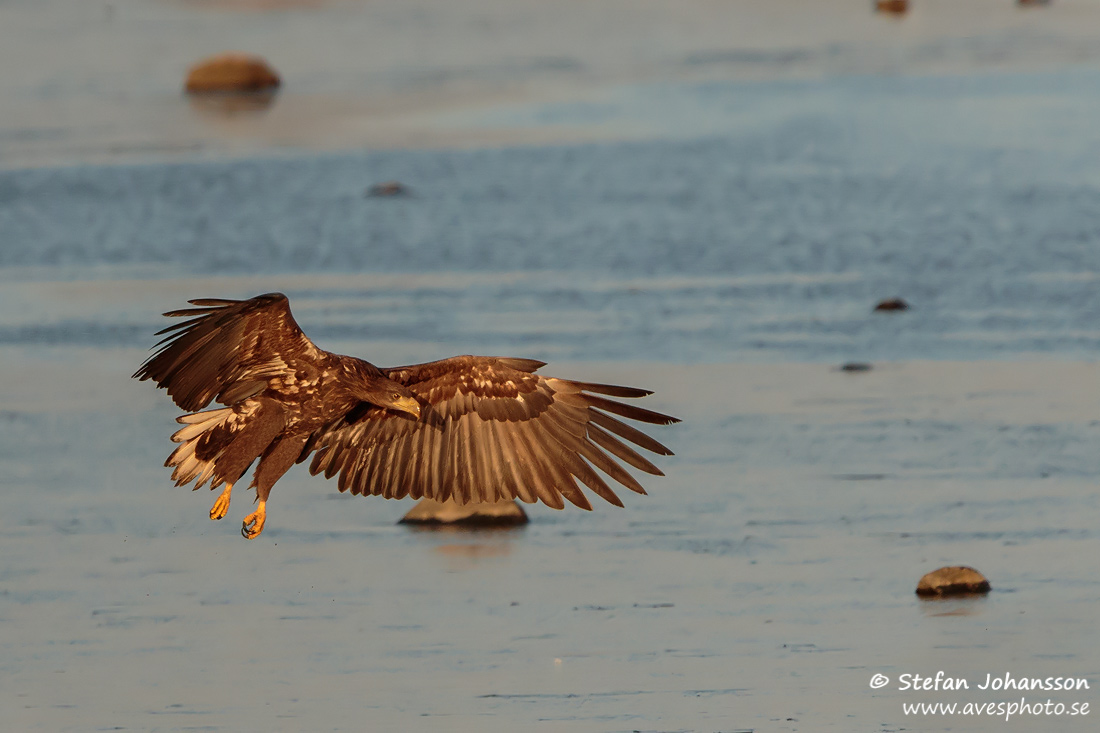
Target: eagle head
(369, 384)
(393, 396)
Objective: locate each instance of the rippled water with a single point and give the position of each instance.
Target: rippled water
(770, 244)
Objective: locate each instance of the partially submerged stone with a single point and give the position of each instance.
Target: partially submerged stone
(231, 72)
(892, 304)
(952, 581)
(475, 514)
(389, 188)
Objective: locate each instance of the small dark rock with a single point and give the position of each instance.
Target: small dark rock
(855, 366)
(952, 581)
(892, 304)
(389, 188)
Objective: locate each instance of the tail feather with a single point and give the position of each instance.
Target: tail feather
(207, 472)
(196, 417)
(219, 445)
(196, 427)
(199, 429)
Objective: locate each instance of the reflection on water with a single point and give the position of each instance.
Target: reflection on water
(940, 607)
(466, 556)
(254, 5)
(231, 105)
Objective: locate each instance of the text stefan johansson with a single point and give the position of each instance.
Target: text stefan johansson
(940, 681)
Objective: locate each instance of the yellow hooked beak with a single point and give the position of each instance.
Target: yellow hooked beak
(407, 404)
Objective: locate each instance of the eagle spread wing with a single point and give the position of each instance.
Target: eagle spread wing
(467, 429)
(491, 429)
(227, 350)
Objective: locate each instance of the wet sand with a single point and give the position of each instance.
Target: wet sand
(758, 587)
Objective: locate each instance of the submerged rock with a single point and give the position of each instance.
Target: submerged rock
(952, 581)
(231, 72)
(389, 188)
(474, 514)
(892, 304)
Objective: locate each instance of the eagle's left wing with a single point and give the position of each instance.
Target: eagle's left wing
(227, 350)
(490, 430)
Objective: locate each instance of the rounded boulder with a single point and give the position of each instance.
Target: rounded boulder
(952, 581)
(231, 72)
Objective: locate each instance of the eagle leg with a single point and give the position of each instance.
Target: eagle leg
(254, 522)
(221, 506)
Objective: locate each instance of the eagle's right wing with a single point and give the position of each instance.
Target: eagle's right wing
(490, 430)
(227, 350)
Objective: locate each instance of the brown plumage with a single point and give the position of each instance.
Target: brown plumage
(469, 428)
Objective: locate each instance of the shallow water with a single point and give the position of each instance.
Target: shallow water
(721, 238)
(772, 243)
(758, 587)
(100, 81)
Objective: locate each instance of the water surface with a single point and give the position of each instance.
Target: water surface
(711, 222)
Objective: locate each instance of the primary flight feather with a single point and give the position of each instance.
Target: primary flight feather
(468, 429)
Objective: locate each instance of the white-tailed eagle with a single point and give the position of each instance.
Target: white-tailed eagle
(470, 428)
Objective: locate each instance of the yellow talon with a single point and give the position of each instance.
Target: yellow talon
(254, 522)
(221, 506)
